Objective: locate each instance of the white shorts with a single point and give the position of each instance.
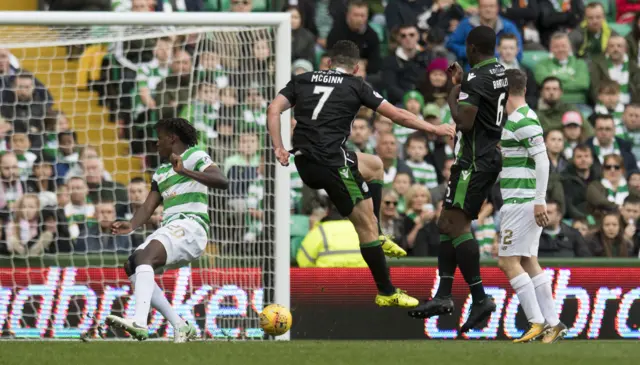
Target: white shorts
(184, 240)
(519, 232)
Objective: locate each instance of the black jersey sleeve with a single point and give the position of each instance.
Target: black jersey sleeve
(369, 97)
(470, 90)
(289, 92)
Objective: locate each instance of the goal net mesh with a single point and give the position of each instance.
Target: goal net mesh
(79, 107)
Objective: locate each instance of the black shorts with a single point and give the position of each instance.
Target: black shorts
(344, 185)
(468, 189)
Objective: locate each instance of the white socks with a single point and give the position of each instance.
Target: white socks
(143, 290)
(523, 286)
(546, 302)
(160, 302)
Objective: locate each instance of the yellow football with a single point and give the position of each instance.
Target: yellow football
(275, 320)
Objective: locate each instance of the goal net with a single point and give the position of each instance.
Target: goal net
(80, 96)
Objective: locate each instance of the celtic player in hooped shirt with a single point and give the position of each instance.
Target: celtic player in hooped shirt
(181, 186)
(523, 184)
(477, 107)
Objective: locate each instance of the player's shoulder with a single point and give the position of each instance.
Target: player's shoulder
(523, 122)
(161, 171)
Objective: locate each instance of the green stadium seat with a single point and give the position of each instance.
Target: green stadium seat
(382, 36)
(530, 58)
(260, 5)
(217, 5)
(622, 29)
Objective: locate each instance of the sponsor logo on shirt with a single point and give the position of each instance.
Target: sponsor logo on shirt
(536, 141)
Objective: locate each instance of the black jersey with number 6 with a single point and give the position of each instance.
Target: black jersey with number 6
(325, 104)
(484, 86)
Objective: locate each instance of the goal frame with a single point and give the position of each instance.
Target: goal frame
(282, 25)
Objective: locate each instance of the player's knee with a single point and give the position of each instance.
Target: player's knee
(510, 265)
(377, 168)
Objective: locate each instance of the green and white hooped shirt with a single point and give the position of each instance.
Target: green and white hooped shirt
(182, 196)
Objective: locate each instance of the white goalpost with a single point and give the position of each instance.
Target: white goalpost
(100, 82)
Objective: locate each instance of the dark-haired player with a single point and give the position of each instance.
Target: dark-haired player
(325, 104)
(182, 187)
(477, 105)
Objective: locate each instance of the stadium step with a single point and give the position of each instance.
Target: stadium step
(90, 120)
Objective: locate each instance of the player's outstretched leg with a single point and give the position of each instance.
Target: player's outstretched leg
(183, 331)
(523, 286)
(372, 171)
(555, 329)
(364, 222)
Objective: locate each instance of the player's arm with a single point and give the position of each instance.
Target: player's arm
(410, 120)
(463, 100)
(142, 214)
(207, 173)
(531, 136)
(278, 106)
(463, 112)
(282, 102)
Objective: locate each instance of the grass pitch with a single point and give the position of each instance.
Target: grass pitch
(319, 352)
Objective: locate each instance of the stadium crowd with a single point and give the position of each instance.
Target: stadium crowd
(583, 81)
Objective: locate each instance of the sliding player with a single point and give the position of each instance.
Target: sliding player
(182, 187)
(325, 104)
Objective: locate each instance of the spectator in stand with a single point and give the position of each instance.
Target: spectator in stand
(608, 194)
(391, 223)
(634, 183)
(438, 193)
(360, 137)
(436, 47)
(86, 153)
(488, 16)
(54, 123)
(558, 16)
(24, 102)
(572, 131)
(523, 14)
(420, 223)
(579, 174)
(403, 70)
(5, 131)
(241, 6)
(626, 11)
(11, 188)
(401, 12)
(138, 191)
(444, 15)
(616, 65)
(507, 50)
(9, 68)
(331, 243)
(67, 155)
(554, 140)
(436, 84)
(401, 185)
(42, 181)
(242, 168)
(80, 212)
(610, 240)
(254, 110)
(633, 39)
(324, 62)
(551, 108)
(631, 120)
(609, 104)
(302, 40)
(203, 111)
(413, 102)
(357, 30)
(99, 238)
(630, 210)
(101, 189)
(174, 92)
(582, 226)
(20, 145)
(572, 72)
(558, 239)
(25, 234)
(151, 73)
(301, 66)
(590, 38)
(387, 150)
(605, 143)
(417, 150)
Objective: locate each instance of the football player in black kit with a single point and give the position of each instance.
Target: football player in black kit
(325, 104)
(477, 104)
